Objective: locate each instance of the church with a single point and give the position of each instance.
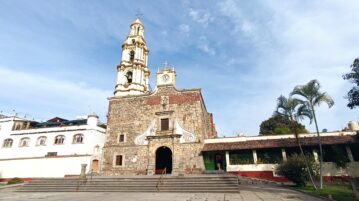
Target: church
(161, 131)
(169, 131)
(153, 132)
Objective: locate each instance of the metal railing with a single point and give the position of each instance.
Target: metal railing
(160, 180)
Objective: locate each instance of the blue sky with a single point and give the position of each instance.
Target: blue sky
(58, 58)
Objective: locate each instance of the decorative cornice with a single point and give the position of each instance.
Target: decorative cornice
(164, 112)
(163, 136)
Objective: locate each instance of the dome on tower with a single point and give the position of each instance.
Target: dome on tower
(137, 21)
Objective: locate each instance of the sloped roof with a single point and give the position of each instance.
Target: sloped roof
(56, 119)
(3, 116)
(276, 143)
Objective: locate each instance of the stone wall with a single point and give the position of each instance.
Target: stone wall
(136, 116)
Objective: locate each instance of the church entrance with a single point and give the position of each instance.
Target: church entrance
(94, 165)
(163, 160)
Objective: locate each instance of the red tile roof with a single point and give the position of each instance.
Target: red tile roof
(275, 143)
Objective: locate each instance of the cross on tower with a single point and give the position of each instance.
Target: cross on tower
(165, 64)
(138, 13)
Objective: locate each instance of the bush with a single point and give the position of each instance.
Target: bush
(15, 181)
(295, 169)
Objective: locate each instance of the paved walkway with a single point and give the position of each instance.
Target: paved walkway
(246, 193)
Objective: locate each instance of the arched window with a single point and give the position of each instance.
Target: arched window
(138, 30)
(78, 139)
(41, 141)
(24, 142)
(129, 77)
(7, 143)
(60, 139)
(132, 55)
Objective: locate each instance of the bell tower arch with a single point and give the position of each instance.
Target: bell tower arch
(133, 72)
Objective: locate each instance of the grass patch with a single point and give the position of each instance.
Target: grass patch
(15, 180)
(339, 193)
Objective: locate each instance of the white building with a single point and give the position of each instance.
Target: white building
(55, 148)
(259, 156)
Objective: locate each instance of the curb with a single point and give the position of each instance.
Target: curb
(11, 186)
(317, 196)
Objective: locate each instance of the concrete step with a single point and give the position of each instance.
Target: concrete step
(213, 183)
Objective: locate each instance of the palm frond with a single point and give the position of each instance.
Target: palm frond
(323, 97)
(304, 111)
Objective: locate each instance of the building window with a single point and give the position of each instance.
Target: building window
(129, 77)
(60, 139)
(18, 126)
(41, 141)
(51, 154)
(24, 142)
(119, 161)
(269, 156)
(164, 124)
(121, 138)
(132, 55)
(335, 153)
(355, 151)
(78, 139)
(241, 157)
(7, 143)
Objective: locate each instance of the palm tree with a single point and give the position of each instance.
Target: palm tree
(313, 97)
(293, 110)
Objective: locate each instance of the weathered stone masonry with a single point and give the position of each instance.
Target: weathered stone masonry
(132, 116)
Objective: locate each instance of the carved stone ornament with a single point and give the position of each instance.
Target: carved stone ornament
(164, 102)
(186, 135)
(151, 130)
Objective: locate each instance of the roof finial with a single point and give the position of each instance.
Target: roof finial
(165, 64)
(138, 13)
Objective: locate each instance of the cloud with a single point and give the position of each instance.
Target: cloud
(184, 28)
(204, 46)
(44, 97)
(249, 51)
(200, 16)
(295, 42)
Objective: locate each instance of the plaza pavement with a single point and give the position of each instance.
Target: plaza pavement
(246, 193)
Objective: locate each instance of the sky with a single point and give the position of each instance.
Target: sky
(58, 58)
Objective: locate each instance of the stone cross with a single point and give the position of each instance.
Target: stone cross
(138, 13)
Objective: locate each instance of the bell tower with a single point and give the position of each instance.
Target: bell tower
(133, 73)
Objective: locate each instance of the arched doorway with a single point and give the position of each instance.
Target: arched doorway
(94, 165)
(163, 160)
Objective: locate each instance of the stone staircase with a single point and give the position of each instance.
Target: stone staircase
(194, 183)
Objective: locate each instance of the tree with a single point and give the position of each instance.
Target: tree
(294, 169)
(293, 110)
(313, 98)
(277, 125)
(353, 76)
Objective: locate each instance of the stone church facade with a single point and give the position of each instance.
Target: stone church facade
(153, 132)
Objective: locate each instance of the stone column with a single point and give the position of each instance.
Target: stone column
(316, 158)
(254, 156)
(227, 158)
(284, 155)
(350, 154)
(83, 171)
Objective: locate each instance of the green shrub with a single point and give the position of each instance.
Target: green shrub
(295, 169)
(15, 181)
